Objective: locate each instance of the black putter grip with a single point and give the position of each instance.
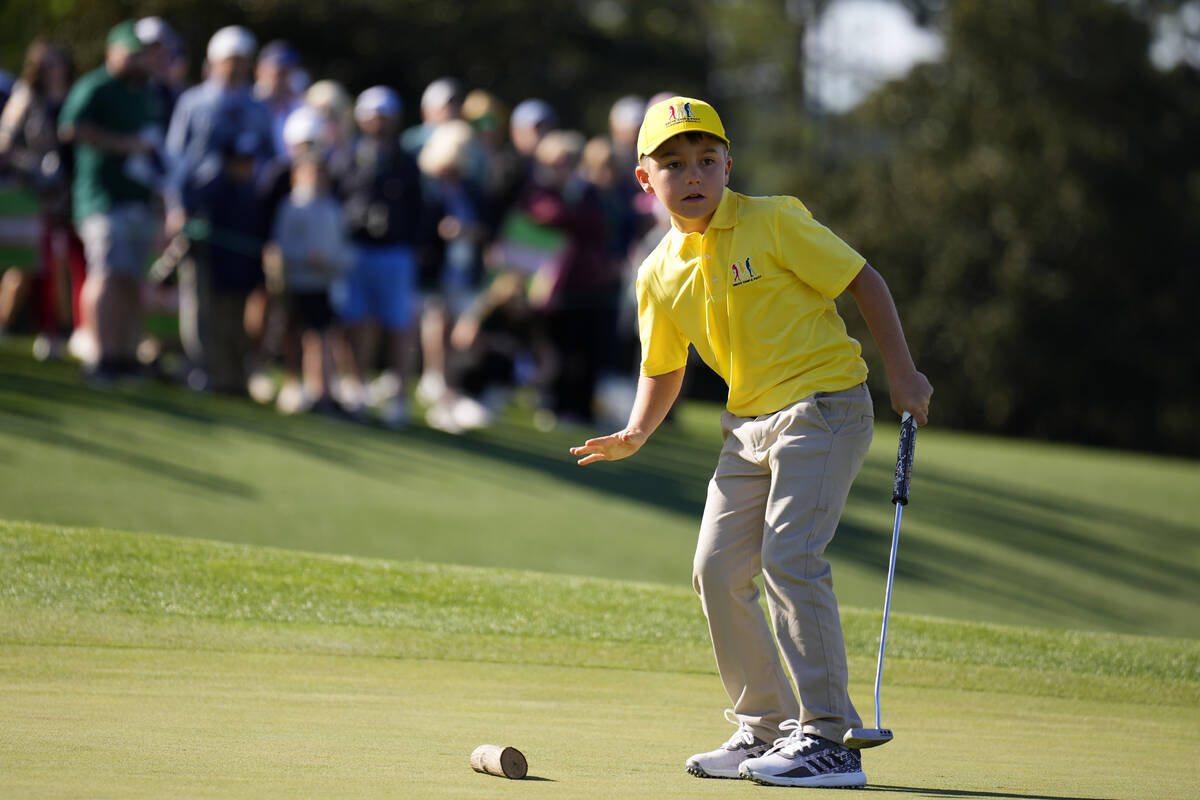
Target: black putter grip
(904, 459)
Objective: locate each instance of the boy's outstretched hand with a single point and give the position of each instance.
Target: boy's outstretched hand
(613, 447)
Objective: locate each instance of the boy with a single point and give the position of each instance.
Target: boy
(750, 282)
(307, 253)
(386, 222)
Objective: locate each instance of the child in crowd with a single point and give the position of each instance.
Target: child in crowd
(308, 252)
(385, 220)
(751, 282)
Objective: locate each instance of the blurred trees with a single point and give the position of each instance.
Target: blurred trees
(1033, 198)
(1034, 201)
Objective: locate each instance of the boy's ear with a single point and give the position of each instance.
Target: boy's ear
(643, 179)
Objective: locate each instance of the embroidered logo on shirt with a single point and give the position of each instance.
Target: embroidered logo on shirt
(743, 273)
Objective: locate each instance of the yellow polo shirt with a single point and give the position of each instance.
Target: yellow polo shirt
(754, 294)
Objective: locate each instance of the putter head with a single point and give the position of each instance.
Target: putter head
(858, 738)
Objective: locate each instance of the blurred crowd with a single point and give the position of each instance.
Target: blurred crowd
(316, 252)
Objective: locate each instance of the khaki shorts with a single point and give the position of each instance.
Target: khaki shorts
(118, 241)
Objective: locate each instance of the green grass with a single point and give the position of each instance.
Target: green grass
(1002, 531)
(209, 600)
(146, 666)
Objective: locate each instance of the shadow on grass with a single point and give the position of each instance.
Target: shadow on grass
(45, 429)
(955, 793)
(961, 534)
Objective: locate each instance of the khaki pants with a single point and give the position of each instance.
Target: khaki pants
(773, 506)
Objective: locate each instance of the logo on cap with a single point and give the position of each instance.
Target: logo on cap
(680, 112)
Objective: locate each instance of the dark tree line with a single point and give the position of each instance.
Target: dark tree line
(1034, 199)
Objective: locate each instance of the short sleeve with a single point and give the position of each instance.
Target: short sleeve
(79, 105)
(664, 347)
(813, 252)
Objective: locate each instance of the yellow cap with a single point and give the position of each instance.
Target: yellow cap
(677, 115)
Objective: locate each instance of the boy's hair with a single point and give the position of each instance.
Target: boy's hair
(693, 137)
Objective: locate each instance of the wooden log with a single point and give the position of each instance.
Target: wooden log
(504, 762)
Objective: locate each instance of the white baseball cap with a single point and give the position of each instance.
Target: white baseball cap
(302, 126)
(230, 42)
(154, 30)
(441, 93)
(377, 100)
(532, 113)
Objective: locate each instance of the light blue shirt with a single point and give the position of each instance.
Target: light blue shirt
(209, 118)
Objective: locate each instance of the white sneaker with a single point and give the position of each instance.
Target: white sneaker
(47, 348)
(800, 759)
(440, 417)
(293, 399)
(351, 395)
(260, 387)
(82, 345)
(383, 389)
(725, 760)
(431, 388)
(471, 415)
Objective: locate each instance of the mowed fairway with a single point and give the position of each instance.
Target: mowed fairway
(343, 611)
(998, 530)
(143, 666)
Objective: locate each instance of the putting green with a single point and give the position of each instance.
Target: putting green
(108, 722)
(147, 666)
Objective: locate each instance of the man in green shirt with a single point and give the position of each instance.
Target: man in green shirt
(111, 118)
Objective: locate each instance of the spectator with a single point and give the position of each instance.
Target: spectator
(385, 219)
(440, 102)
(333, 105)
(307, 253)
(624, 121)
(268, 325)
(616, 303)
(508, 329)
(213, 114)
(531, 120)
(580, 294)
(33, 153)
(455, 202)
(162, 44)
(208, 122)
(227, 237)
(489, 117)
(273, 86)
(302, 136)
(111, 117)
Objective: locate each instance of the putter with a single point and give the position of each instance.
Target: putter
(873, 737)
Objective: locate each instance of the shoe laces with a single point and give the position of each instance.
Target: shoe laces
(743, 735)
(796, 741)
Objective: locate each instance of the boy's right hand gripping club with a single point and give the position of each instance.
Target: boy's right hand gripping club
(873, 737)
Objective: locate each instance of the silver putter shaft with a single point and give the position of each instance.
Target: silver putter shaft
(873, 737)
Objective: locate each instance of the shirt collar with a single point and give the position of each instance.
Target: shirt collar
(724, 217)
